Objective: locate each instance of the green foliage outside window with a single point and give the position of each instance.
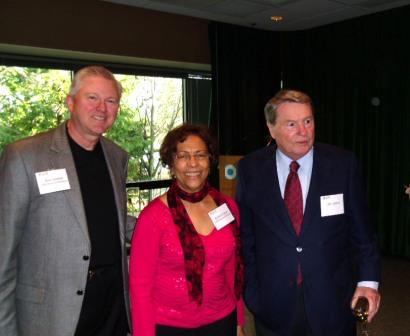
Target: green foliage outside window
(32, 100)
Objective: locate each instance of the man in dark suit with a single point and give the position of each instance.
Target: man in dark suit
(309, 248)
(63, 222)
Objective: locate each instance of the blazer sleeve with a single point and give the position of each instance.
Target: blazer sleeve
(14, 203)
(362, 235)
(248, 242)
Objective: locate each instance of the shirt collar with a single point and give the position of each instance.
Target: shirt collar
(283, 160)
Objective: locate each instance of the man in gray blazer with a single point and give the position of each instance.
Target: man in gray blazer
(63, 263)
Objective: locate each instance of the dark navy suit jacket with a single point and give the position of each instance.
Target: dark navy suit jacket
(334, 252)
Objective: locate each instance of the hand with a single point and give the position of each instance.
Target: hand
(372, 296)
(240, 331)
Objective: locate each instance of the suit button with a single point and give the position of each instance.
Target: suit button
(299, 249)
(80, 292)
(86, 257)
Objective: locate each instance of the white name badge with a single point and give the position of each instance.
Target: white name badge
(221, 216)
(332, 205)
(52, 180)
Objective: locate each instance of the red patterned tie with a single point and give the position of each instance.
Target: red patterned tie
(294, 203)
(293, 197)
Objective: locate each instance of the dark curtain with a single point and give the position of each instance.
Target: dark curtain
(245, 74)
(198, 100)
(358, 75)
(198, 96)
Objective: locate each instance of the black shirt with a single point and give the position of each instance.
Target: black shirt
(103, 309)
(99, 205)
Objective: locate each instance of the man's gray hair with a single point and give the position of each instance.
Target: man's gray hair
(284, 96)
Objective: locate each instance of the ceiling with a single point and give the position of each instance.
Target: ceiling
(297, 14)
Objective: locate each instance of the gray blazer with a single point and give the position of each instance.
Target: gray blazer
(43, 237)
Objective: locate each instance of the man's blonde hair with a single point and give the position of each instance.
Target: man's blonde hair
(92, 71)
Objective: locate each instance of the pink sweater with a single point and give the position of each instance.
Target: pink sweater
(158, 287)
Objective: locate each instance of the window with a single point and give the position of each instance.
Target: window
(32, 100)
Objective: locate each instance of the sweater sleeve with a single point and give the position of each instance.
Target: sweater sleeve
(240, 307)
(145, 245)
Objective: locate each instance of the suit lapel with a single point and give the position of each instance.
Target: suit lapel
(62, 157)
(274, 197)
(117, 183)
(320, 170)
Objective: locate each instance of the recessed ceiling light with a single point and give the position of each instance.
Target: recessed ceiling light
(276, 18)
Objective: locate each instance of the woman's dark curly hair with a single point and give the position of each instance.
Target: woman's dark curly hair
(180, 134)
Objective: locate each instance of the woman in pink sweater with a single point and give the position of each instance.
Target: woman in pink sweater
(186, 270)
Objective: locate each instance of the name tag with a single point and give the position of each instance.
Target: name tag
(332, 205)
(52, 180)
(221, 216)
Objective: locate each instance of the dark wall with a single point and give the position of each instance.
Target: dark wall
(102, 27)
